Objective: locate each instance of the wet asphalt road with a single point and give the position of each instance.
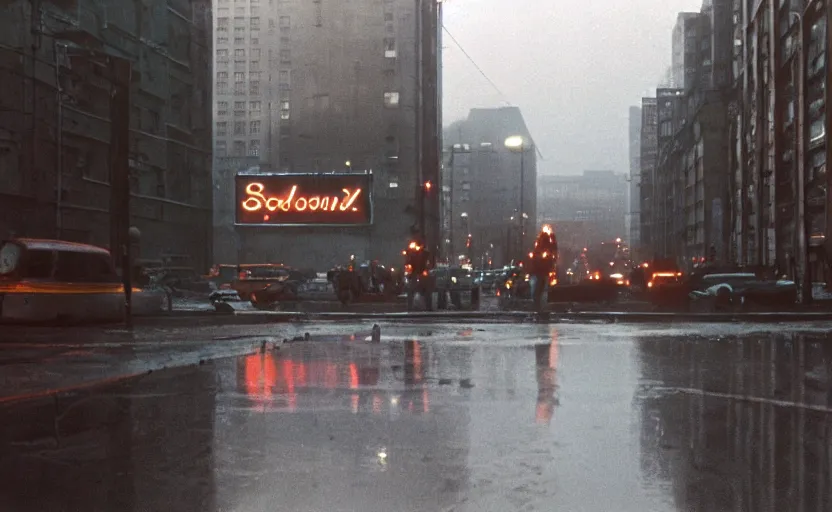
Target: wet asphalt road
(443, 417)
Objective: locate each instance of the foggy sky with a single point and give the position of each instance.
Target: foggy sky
(573, 67)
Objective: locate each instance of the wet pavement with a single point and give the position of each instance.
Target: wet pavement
(446, 417)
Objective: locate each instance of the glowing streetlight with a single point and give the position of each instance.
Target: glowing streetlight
(515, 142)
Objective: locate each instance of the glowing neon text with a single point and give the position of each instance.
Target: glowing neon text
(257, 200)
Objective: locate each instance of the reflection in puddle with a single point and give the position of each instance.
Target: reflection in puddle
(739, 424)
(546, 362)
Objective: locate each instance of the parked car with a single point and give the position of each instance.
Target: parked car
(743, 290)
(253, 278)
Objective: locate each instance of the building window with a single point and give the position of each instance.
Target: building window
(284, 22)
(240, 40)
(390, 47)
(284, 79)
(255, 11)
(222, 108)
(285, 55)
(222, 75)
(240, 89)
(284, 41)
(240, 52)
(239, 108)
(391, 99)
(240, 11)
(254, 148)
(222, 128)
(239, 148)
(255, 23)
(222, 149)
(222, 87)
(284, 115)
(222, 53)
(254, 87)
(222, 40)
(239, 77)
(271, 23)
(388, 16)
(255, 53)
(254, 64)
(255, 106)
(239, 31)
(239, 20)
(254, 127)
(239, 128)
(223, 12)
(466, 186)
(222, 22)
(255, 40)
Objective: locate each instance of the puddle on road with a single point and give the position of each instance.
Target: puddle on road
(548, 420)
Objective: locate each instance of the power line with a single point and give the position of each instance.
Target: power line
(505, 98)
(471, 59)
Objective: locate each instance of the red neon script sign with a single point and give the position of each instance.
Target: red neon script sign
(304, 199)
(257, 201)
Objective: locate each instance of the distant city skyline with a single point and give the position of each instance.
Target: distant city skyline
(574, 78)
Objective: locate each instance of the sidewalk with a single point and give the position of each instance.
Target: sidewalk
(41, 361)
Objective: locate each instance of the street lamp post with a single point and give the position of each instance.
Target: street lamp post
(517, 143)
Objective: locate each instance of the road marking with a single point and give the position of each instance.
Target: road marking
(746, 398)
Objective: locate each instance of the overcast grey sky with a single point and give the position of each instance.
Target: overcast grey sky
(573, 67)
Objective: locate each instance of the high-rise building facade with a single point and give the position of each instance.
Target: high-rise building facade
(339, 87)
(488, 186)
(58, 168)
(683, 44)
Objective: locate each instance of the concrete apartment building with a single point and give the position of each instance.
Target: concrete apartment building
(481, 181)
(585, 209)
(681, 68)
(633, 222)
(56, 174)
(346, 87)
(780, 209)
(245, 42)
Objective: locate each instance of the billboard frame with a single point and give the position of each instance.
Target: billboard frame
(370, 195)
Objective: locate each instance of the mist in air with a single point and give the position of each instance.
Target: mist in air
(573, 68)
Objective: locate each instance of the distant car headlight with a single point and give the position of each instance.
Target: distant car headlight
(616, 276)
(453, 280)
